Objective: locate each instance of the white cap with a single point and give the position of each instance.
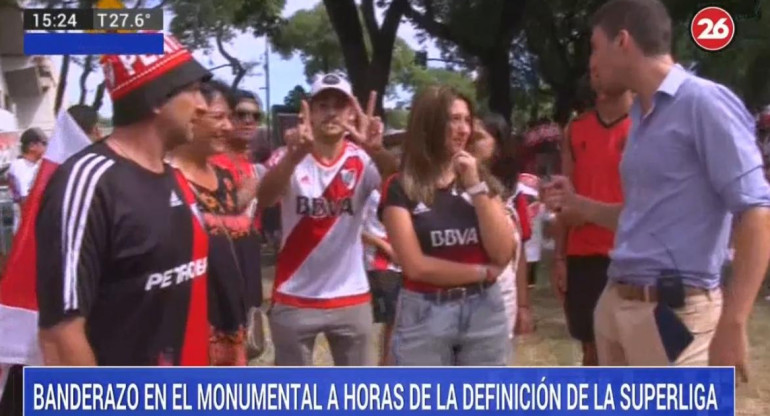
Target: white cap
(331, 81)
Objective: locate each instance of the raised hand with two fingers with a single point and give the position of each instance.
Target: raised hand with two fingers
(368, 129)
(299, 140)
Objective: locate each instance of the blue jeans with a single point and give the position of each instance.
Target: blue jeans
(468, 332)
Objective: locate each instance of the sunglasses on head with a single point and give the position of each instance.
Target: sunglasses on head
(245, 115)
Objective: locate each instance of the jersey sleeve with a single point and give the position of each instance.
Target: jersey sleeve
(275, 157)
(392, 194)
(372, 179)
(72, 229)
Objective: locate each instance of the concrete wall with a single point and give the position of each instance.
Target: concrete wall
(33, 108)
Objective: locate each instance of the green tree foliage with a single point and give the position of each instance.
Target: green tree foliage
(294, 98)
(743, 65)
(558, 34)
(396, 118)
(309, 34)
(210, 24)
(482, 32)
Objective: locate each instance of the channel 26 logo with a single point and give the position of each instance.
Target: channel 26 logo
(712, 28)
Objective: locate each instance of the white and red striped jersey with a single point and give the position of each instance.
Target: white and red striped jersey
(374, 259)
(320, 264)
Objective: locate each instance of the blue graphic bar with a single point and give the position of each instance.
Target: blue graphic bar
(379, 391)
(93, 43)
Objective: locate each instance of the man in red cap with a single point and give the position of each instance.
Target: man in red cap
(122, 258)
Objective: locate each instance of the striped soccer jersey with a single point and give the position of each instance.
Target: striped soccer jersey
(124, 248)
(320, 264)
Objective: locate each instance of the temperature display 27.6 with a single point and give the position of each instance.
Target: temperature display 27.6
(128, 19)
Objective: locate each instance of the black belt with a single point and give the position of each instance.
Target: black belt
(453, 294)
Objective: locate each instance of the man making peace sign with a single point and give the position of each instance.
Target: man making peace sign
(331, 163)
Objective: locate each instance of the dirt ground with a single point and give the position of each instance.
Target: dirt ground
(550, 345)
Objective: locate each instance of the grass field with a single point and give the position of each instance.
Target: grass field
(550, 345)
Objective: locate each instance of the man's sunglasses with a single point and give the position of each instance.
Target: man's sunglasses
(245, 116)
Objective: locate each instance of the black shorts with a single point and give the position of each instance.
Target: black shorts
(385, 287)
(586, 279)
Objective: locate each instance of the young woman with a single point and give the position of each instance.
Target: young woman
(450, 231)
(221, 205)
(491, 146)
(236, 157)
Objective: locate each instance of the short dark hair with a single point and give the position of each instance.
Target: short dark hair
(85, 115)
(647, 21)
(31, 136)
(210, 89)
(239, 95)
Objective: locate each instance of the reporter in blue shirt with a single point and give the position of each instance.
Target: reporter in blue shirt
(690, 165)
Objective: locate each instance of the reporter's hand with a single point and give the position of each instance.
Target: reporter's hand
(558, 194)
(730, 347)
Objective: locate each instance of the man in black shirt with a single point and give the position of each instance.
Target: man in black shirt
(121, 256)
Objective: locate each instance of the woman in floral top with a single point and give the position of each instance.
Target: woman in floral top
(221, 205)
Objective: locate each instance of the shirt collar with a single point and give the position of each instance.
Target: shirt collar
(675, 78)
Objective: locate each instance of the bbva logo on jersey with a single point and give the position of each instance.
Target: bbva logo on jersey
(322, 207)
(454, 237)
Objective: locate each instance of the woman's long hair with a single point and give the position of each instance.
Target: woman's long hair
(425, 154)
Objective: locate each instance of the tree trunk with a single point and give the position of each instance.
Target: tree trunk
(343, 16)
(482, 84)
(562, 109)
(98, 97)
(235, 63)
(87, 69)
(377, 75)
(63, 72)
(498, 72)
(365, 74)
(240, 73)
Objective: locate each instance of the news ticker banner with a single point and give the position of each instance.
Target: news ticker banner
(93, 43)
(334, 391)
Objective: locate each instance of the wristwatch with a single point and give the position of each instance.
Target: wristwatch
(478, 189)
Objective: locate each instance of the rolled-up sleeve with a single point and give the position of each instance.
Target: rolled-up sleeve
(726, 144)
